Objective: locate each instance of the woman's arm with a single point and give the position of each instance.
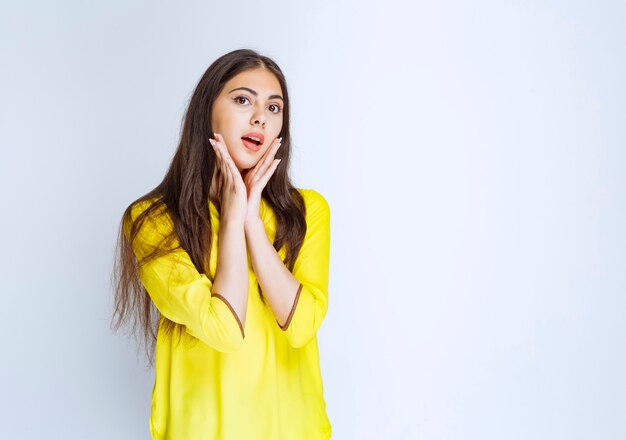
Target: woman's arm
(299, 300)
(180, 292)
(278, 284)
(231, 275)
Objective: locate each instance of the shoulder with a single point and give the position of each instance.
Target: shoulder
(157, 219)
(313, 198)
(315, 203)
(139, 206)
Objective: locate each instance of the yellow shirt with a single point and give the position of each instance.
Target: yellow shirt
(259, 382)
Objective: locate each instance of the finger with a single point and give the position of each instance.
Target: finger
(224, 160)
(270, 154)
(222, 143)
(216, 170)
(270, 172)
(266, 153)
(227, 174)
(220, 180)
(227, 159)
(224, 171)
(266, 161)
(216, 149)
(219, 160)
(235, 176)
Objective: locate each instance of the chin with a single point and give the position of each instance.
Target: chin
(246, 164)
(243, 166)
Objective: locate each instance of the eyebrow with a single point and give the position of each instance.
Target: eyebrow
(256, 94)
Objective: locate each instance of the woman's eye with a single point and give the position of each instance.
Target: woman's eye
(245, 98)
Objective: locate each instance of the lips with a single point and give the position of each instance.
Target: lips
(251, 145)
(256, 138)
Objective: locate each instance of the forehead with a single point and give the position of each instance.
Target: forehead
(260, 80)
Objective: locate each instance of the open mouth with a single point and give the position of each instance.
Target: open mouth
(257, 142)
(251, 144)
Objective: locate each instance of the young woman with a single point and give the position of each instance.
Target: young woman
(224, 266)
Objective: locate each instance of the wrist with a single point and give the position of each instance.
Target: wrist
(253, 222)
(231, 224)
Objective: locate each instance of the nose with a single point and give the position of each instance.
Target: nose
(259, 119)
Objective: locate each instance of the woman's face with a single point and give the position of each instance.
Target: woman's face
(250, 104)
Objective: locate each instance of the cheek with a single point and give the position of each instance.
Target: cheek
(220, 125)
(222, 120)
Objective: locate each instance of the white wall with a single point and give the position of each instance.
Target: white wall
(473, 155)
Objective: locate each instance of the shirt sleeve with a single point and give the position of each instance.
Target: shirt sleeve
(312, 270)
(183, 295)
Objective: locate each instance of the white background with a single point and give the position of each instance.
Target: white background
(472, 153)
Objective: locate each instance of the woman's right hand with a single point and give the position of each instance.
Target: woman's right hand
(232, 189)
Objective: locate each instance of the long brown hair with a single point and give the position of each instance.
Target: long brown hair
(183, 197)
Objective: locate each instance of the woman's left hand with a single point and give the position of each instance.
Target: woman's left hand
(257, 177)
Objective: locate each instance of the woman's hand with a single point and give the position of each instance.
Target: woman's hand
(231, 188)
(257, 177)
